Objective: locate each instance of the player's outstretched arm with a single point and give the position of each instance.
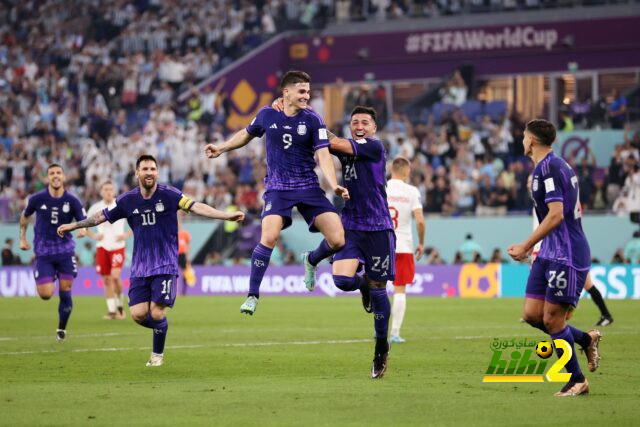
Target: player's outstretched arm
(329, 171)
(239, 139)
(24, 243)
(92, 221)
(205, 210)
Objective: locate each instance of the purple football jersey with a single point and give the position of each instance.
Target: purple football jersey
(555, 181)
(52, 212)
(364, 176)
(154, 223)
(291, 144)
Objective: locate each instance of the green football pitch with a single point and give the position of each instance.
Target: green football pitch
(298, 361)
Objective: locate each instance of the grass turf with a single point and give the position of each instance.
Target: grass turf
(298, 361)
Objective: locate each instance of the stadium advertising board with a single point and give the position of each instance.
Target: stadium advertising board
(502, 49)
(448, 281)
(579, 144)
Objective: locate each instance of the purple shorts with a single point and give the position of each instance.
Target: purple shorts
(555, 282)
(310, 202)
(376, 250)
(160, 289)
(50, 267)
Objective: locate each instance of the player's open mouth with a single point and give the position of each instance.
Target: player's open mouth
(360, 134)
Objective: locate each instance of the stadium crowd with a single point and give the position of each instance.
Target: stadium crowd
(93, 93)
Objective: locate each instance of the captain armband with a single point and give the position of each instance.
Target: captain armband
(185, 203)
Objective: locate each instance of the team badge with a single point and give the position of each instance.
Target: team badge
(267, 208)
(302, 129)
(65, 207)
(159, 207)
(534, 186)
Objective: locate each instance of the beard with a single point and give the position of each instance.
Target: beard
(145, 185)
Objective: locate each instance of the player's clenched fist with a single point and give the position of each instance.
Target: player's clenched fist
(64, 228)
(342, 192)
(212, 151)
(236, 216)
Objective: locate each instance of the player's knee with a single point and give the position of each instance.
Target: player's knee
(374, 284)
(45, 296)
(157, 314)
(345, 283)
(269, 239)
(531, 317)
(139, 316)
(336, 240)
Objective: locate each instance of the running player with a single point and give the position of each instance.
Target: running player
(151, 211)
(559, 272)
(293, 135)
(605, 316)
(110, 242)
(370, 239)
(55, 257)
(404, 202)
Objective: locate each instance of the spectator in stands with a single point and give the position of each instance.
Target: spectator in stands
(470, 249)
(8, 257)
(617, 109)
(632, 249)
(433, 256)
(497, 257)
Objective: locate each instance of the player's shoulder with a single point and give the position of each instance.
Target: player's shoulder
(128, 195)
(315, 118)
(70, 196)
(39, 195)
(370, 142)
(266, 110)
(169, 189)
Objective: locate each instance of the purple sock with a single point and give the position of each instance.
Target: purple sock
(381, 312)
(321, 252)
(64, 309)
(160, 328)
(579, 337)
(259, 263)
(572, 366)
(347, 283)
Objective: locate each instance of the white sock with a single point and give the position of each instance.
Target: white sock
(397, 313)
(118, 300)
(111, 305)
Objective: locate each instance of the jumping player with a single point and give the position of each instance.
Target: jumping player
(293, 136)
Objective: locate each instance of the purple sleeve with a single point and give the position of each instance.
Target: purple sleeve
(255, 128)
(175, 196)
(553, 183)
(319, 133)
(367, 148)
(118, 212)
(78, 210)
(31, 206)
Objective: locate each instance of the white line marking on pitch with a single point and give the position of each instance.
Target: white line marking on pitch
(179, 347)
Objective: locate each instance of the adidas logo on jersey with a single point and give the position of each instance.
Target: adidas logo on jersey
(43, 207)
(558, 294)
(273, 126)
(136, 211)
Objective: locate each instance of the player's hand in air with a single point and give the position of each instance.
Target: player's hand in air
(212, 151)
(278, 104)
(419, 252)
(342, 192)
(64, 228)
(236, 216)
(519, 252)
(25, 245)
